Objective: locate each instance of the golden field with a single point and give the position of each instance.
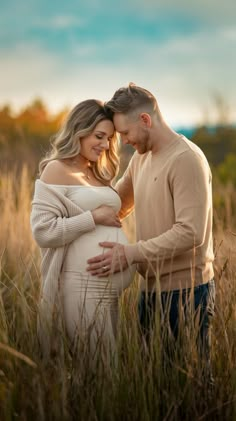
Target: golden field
(138, 386)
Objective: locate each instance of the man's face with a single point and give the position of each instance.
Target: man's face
(132, 132)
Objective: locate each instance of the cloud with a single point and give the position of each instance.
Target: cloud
(229, 33)
(206, 10)
(60, 22)
(183, 73)
(183, 56)
(179, 73)
(27, 70)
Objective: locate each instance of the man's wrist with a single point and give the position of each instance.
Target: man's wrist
(132, 253)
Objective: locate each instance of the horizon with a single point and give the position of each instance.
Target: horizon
(189, 128)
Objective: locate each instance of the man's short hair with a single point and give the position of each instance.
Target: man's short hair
(130, 99)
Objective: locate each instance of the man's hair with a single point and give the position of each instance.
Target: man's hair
(130, 99)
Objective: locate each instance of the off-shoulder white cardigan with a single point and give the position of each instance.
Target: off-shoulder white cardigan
(55, 222)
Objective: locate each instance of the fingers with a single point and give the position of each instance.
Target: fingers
(114, 222)
(102, 265)
(97, 266)
(95, 259)
(101, 257)
(102, 271)
(118, 222)
(107, 244)
(102, 268)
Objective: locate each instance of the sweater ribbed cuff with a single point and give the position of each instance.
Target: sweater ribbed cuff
(83, 222)
(89, 220)
(133, 254)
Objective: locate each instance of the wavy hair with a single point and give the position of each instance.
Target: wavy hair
(80, 123)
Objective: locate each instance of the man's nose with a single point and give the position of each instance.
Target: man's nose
(124, 140)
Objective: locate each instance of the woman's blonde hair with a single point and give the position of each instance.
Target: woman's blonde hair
(80, 123)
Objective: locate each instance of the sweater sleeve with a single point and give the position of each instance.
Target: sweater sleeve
(51, 231)
(190, 186)
(124, 187)
(55, 220)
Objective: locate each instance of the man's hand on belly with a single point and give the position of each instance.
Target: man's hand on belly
(109, 262)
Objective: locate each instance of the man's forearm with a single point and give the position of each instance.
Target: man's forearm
(180, 238)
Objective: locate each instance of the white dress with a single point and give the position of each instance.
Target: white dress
(90, 303)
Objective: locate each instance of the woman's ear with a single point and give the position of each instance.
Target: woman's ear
(146, 119)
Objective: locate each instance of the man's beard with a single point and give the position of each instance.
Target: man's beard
(143, 145)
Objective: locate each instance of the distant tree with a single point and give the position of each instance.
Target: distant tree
(216, 142)
(25, 136)
(34, 118)
(8, 131)
(226, 171)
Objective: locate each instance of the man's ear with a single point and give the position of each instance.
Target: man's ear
(146, 119)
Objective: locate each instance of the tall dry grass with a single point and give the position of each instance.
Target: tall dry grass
(139, 384)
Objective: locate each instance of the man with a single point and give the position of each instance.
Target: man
(168, 182)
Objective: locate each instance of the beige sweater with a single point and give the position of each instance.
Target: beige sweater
(172, 193)
(55, 222)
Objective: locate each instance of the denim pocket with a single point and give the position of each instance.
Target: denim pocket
(211, 298)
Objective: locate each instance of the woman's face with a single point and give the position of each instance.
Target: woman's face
(93, 145)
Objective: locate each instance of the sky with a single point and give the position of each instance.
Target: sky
(183, 51)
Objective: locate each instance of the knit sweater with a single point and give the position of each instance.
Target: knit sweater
(172, 194)
(55, 221)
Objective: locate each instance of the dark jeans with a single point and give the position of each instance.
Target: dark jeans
(200, 303)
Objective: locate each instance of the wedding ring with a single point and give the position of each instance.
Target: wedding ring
(105, 267)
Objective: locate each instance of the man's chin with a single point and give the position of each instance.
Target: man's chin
(140, 150)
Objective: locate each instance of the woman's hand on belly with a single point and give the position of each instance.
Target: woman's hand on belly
(110, 262)
(106, 215)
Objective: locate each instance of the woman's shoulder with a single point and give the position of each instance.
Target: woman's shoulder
(55, 172)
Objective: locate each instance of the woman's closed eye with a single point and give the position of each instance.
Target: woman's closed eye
(100, 137)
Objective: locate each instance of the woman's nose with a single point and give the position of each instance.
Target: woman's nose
(105, 144)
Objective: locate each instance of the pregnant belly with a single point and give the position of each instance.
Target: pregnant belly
(87, 246)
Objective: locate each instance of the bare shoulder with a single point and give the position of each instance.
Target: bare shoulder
(55, 172)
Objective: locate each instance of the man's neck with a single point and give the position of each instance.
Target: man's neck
(161, 137)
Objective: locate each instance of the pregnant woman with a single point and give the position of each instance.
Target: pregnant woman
(73, 209)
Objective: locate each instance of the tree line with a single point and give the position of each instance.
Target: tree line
(25, 138)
